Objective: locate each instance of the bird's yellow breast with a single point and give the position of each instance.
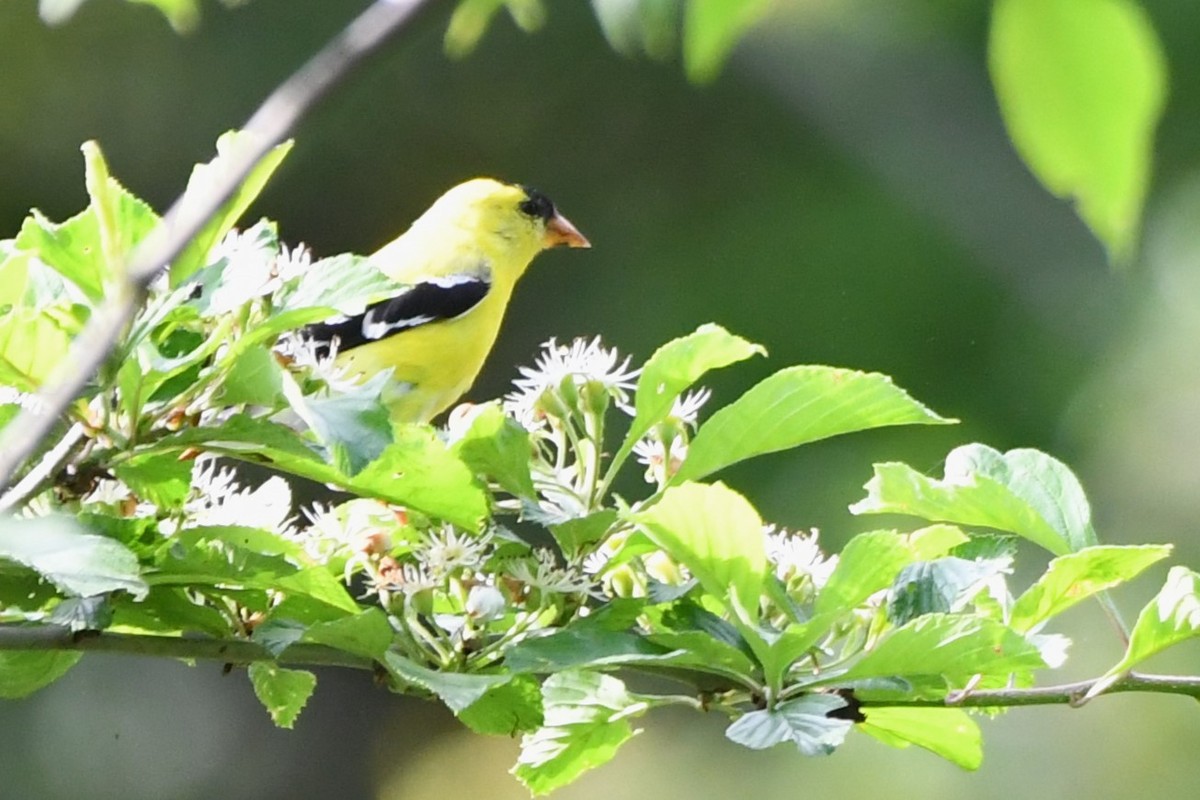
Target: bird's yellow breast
(432, 365)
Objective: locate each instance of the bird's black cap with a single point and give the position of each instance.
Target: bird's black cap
(536, 204)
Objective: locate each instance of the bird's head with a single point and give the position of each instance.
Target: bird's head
(517, 216)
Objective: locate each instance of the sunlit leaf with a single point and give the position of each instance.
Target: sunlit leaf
(1076, 576)
(586, 721)
(1171, 617)
(673, 368)
(79, 563)
(796, 406)
(33, 343)
(419, 471)
(283, 692)
(949, 649)
(367, 634)
(717, 534)
(712, 28)
(497, 446)
(948, 732)
(1082, 85)
(24, 672)
(123, 220)
(203, 178)
(633, 27)
(1022, 491)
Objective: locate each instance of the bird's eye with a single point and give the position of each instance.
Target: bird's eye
(536, 204)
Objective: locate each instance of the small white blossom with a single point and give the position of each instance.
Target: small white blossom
(359, 527)
(249, 268)
(583, 362)
(798, 556)
(662, 461)
(293, 262)
(10, 396)
(485, 603)
(320, 360)
(410, 579)
(687, 406)
(219, 500)
(107, 492)
(542, 572)
(446, 551)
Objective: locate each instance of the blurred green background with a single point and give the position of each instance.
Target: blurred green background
(844, 193)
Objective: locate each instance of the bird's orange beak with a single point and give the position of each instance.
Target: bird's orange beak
(559, 230)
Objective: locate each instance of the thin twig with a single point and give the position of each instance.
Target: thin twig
(273, 121)
(44, 470)
(1063, 694)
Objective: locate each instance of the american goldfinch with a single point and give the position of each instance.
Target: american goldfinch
(459, 262)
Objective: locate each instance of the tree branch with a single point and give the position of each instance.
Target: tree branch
(227, 651)
(1071, 694)
(270, 124)
(239, 651)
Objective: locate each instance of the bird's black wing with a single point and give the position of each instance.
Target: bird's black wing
(420, 304)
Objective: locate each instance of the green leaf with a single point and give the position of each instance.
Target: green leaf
(260, 541)
(459, 691)
(673, 368)
(122, 219)
(574, 535)
(82, 613)
(1074, 577)
(342, 284)
(170, 610)
(506, 710)
(946, 649)
(161, 479)
(928, 587)
(1082, 85)
(367, 634)
(277, 635)
(203, 178)
(586, 721)
(353, 423)
(283, 692)
(803, 722)
(1022, 491)
(183, 15)
(582, 645)
(497, 446)
(947, 732)
(794, 642)
(253, 379)
(711, 29)
(639, 26)
(317, 583)
(72, 248)
(78, 563)
(418, 470)
(717, 534)
(33, 343)
(1171, 617)
(796, 406)
(24, 672)
(471, 19)
(869, 562)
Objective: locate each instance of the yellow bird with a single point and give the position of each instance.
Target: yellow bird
(459, 262)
